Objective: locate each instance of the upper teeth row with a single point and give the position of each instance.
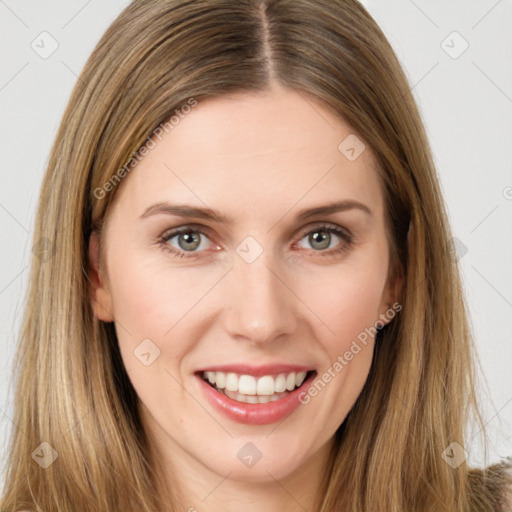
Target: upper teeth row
(249, 385)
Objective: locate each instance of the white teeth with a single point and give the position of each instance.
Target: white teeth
(280, 383)
(220, 380)
(248, 385)
(231, 381)
(300, 378)
(265, 386)
(251, 399)
(290, 382)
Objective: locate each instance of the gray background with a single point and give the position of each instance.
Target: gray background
(465, 99)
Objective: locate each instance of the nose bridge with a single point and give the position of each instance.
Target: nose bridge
(260, 305)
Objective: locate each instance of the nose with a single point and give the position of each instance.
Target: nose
(260, 306)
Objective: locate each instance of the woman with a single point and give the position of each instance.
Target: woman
(252, 302)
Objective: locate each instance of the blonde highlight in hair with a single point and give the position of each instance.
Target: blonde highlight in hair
(72, 390)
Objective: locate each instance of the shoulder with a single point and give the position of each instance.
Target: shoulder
(492, 484)
(507, 505)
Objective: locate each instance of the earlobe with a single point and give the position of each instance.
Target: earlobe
(99, 293)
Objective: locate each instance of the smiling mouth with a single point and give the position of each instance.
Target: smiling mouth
(254, 390)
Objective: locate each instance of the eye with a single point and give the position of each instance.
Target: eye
(190, 241)
(185, 240)
(321, 237)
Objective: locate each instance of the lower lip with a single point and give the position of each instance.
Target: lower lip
(255, 414)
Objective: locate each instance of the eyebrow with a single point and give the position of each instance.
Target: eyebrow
(184, 210)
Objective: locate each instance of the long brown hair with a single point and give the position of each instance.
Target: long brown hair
(72, 390)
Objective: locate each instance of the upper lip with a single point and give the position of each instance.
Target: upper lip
(257, 371)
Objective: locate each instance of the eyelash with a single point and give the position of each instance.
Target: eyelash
(345, 235)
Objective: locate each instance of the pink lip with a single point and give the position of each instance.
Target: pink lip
(255, 414)
(256, 371)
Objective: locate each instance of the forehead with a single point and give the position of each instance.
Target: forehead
(255, 152)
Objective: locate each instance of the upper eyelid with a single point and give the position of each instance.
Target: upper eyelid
(202, 228)
(183, 229)
(325, 225)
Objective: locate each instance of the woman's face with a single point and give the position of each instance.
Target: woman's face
(272, 290)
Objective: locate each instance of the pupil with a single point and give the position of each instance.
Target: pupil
(322, 239)
(190, 238)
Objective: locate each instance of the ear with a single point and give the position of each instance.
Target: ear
(391, 297)
(101, 300)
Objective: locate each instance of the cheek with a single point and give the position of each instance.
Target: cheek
(154, 299)
(149, 300)
(348, 305)
(148, 296)
(347, 300)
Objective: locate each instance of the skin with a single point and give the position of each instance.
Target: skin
(259, 159)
